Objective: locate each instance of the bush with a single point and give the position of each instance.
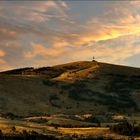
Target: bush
(49, 82)
(11, 116)
(1, 134)
(137, 130)
(13, 129)
(127, 129)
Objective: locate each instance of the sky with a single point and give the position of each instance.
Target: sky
(46, 33)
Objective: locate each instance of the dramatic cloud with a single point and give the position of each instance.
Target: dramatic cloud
(33, 11)
(39, 33)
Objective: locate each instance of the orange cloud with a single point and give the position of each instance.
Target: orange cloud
(2, 62)
(118, 55)
(70, 41)
(40, 50)
(98, 32)
(2, 53)
(4, 65)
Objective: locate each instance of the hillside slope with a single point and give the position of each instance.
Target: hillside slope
(73, 88)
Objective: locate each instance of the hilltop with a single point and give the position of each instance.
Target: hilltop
(72, 88)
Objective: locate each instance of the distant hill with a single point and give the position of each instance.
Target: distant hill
(73, 88)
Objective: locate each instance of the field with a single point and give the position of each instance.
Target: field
(61, 128)
(79, 100)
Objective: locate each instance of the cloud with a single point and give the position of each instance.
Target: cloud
(37, 11)
(40, 50)
(6, 34)
(2, 53)
(4, 65)
(47, 33)
(2, 62)
(112, 51)
(117, 50)
(117, 55)
(19, 18)
(120, 19)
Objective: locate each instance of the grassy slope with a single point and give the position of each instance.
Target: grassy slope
(79, 87)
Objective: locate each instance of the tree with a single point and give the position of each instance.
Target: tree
(124, 128)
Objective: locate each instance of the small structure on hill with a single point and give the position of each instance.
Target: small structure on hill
(93, 59)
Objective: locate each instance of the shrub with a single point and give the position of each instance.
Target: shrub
(49, 82)
(126, 128)
(1, 134)
(13, 128)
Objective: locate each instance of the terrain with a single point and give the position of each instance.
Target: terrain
(85, 97)
(73, 88)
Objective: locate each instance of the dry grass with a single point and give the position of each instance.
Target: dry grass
(27, 94)
(85, 131)
(6, 126)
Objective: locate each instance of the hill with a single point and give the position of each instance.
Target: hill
(73, 88)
